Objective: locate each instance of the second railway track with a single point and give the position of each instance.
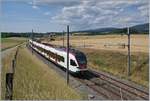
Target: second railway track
(111, 88)
(130, 89)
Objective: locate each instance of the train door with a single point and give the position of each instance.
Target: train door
(72, 65)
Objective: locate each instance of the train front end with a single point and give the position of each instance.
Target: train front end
(82, 61)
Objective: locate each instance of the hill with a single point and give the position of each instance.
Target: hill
(137, 29)
(141, 28)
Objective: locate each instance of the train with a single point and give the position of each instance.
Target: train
(58, 55)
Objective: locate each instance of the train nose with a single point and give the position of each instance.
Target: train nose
(82, 66)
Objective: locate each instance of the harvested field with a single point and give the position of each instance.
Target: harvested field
(139, 43)
(107, 53)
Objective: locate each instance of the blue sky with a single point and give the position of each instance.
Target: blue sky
(54, 15)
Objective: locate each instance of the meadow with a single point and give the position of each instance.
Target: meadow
(116, 63)
(7, 43)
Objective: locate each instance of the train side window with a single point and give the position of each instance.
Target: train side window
(72, 62)
(62, 58)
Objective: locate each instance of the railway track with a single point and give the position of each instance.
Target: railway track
(107, 93)
(124, 86)
(112, 88)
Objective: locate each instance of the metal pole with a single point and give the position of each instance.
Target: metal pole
(63, 38)
(32, 34)
(84, 43)
(32, 40)
(67, 54)
(129, 54)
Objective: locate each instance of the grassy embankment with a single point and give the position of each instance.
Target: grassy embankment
(11, 42)
(116, 63)
(5, 64)
(35, 80)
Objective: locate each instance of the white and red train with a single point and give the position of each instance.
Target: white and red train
(77, 59)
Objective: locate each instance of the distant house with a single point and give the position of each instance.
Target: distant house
(50, 36)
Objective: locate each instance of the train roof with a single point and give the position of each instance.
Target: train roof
(60, 48)
(72, 50)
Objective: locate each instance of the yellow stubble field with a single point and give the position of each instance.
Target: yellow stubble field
(139, 43)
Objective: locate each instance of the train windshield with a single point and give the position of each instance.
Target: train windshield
(81, 58)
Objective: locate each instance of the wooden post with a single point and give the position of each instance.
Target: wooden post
(9, 86)
(67, 54)
(13, 65)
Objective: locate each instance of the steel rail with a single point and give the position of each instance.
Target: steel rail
(123, 87)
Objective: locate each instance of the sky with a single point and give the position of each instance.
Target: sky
(55, 15)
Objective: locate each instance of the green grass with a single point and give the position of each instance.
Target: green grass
(35, 80)
(116, 64)
(7, 43)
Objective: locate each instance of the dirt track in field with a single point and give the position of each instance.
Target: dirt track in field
(139, 43)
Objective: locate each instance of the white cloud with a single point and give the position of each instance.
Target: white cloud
(35, 7)
(30, 3)
(94, 13)
(47, 13)
(34, 4)
(144, 9)
(125, 20)
(58, 2)
(85, 14)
